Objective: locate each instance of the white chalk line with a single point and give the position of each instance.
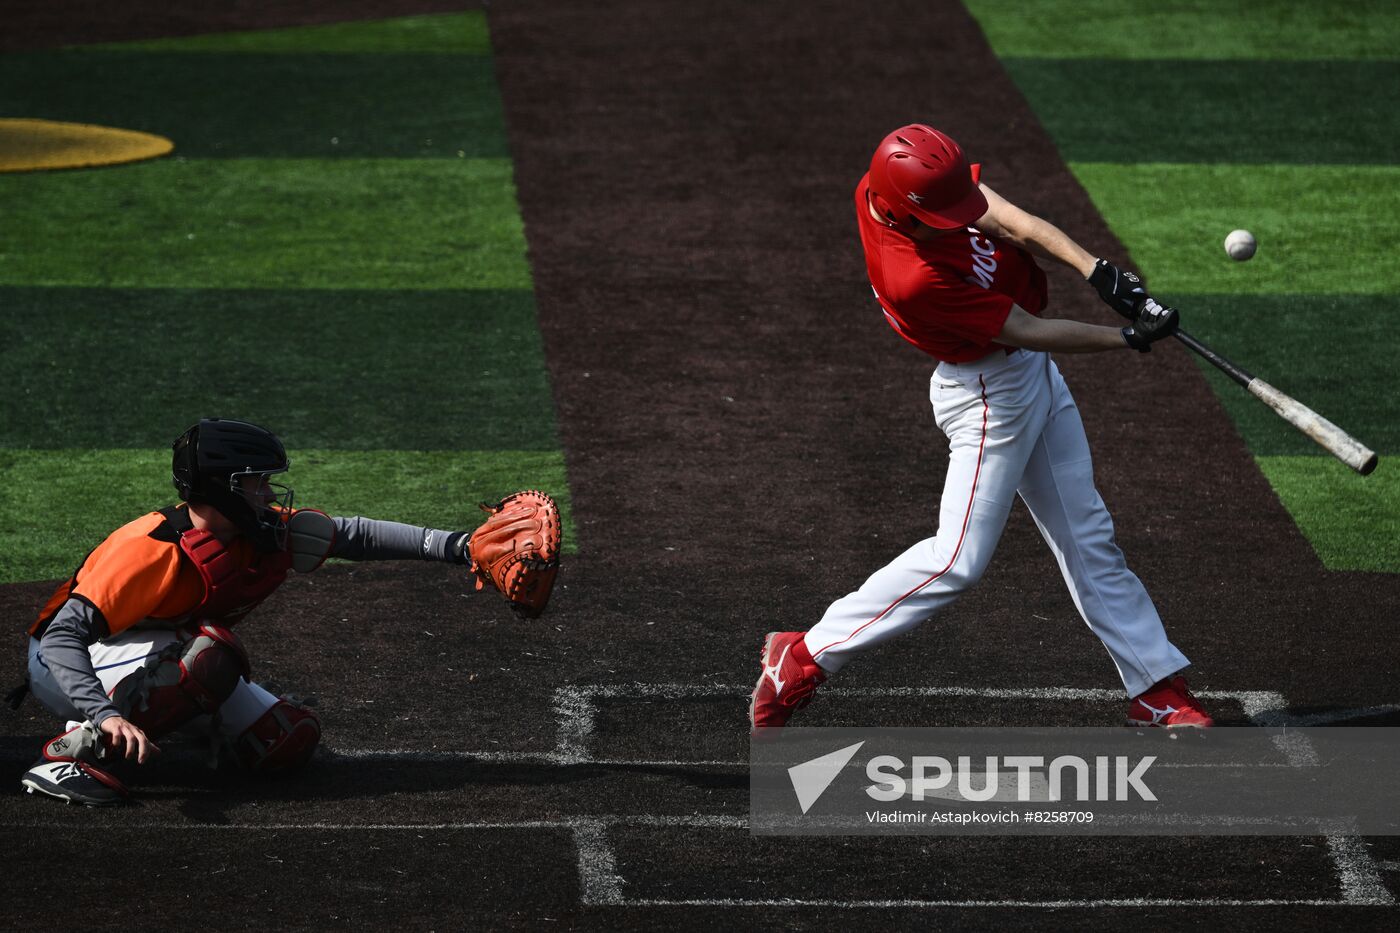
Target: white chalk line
(574, 712)
(575, 709)
(915, 904)
(575, 705)
(553, 759)
(542, 758)
(1358, 874)
(598, 880)
(600, 884)
(680, 820)
(1253, 700)
(1329, 717)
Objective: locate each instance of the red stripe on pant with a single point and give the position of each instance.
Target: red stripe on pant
(967, 519)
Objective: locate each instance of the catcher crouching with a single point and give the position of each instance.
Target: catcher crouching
(140, 640)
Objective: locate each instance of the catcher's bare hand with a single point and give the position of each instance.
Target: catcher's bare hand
(127, 740)
(516, 549)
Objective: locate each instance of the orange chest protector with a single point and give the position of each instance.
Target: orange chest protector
(231, 590)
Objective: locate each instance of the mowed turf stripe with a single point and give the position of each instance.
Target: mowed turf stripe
(1352, 522)
(464, 33)
(1329, 351)
(335, 251)
(345, 369)
(232, 104)
(1307, 314)
(1194, 29)
(1321, 229)
(58, 504)
(267, 223)
(1308, 112)
(1303, 90)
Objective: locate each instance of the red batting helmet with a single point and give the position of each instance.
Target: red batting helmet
(920, 174)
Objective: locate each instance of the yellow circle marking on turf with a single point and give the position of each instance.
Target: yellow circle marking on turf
(35, 145)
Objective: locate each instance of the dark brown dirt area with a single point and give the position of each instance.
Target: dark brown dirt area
(746, 440)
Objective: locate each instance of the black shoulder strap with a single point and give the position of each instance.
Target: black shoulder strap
(176, 522)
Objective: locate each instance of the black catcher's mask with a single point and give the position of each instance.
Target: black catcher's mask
(217, 461)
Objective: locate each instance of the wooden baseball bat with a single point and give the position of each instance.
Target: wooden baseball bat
(1333, 439)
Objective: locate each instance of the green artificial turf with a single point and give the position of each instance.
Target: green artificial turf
(347, 369)
(1196, 29)
(464, 33)
(1186, 120)
(1353, 522)
(267, 223)
(58, 504)
(1102, 110)
(334, 251)
(230, 105)
(1321, 229)
(1309, 314)
(1327, 351)
(439, 488)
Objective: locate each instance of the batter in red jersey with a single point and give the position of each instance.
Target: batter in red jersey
(952, 268)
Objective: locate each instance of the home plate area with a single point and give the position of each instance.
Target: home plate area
(641, 804)
(708, 859)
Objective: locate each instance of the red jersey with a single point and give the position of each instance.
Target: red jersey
(948, 296)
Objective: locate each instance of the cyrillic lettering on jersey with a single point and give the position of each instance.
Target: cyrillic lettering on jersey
(983, 259)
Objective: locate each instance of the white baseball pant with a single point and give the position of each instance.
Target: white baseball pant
(1013, 429)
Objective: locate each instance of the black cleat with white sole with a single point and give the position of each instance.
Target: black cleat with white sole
(75, 782)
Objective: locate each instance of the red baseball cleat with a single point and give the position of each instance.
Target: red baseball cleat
(787, 682)
(1168, 703)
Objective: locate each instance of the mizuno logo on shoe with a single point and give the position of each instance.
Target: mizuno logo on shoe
(771, 672)
(1157, 714)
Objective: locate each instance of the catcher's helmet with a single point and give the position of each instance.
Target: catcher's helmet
(919, 175)
(209, 464)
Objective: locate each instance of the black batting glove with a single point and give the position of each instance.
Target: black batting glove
(1152, 322)
(1121, 291)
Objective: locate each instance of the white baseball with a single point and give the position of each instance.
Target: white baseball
(1240, 245)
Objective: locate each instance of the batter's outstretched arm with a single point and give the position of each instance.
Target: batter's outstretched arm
(1029, 332)
(1009, 223)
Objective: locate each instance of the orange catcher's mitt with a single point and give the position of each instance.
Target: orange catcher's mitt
(516, 550)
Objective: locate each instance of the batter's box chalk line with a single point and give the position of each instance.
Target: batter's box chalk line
(601, 885)
(576, 708)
